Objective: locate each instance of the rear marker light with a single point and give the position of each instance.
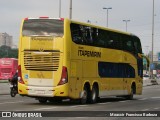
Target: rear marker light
(26, 19)
(43, 17)
(20, 80)
(62, 19)
(64, 76)
(20, 90)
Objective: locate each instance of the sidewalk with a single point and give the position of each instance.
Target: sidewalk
(5, 89)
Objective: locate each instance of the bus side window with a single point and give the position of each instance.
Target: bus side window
(137, 45)
(95, 37)
(83, 34)
(75, 33)
(100, 39)
(128, 44)
(114, 42)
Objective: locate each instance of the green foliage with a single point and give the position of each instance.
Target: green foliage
(7, 52)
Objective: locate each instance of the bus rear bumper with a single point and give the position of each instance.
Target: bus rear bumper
(59, 91)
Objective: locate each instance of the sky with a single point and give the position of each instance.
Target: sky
(139, 12)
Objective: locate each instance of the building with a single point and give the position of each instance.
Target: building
(6, 39)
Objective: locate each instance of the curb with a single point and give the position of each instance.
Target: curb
(3, 81)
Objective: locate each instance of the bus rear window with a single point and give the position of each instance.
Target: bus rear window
(43, 27)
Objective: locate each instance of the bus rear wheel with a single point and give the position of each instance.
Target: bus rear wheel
(84, 96)
(130, 97)
(94, 95)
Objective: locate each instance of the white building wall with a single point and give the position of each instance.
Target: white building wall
(6, 39)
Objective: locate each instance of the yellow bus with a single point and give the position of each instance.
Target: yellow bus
(62, 58)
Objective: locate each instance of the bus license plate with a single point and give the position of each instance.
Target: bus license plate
(40, 92)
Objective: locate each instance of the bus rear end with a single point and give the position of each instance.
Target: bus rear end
(8, 67)
(41, 71)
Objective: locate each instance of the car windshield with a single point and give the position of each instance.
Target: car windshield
(145, 75)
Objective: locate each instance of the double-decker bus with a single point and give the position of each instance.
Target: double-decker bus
(62, 58)
(8, 67)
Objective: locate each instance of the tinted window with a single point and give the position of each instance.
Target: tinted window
(137, 44)
(87, 35)
(84, 34)
(92, 36)
(128, 44)
(42, 27)
(115, 70)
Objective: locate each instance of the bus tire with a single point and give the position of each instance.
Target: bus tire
(94, 95)
(130, 97)
(42, 100)
(84, 97)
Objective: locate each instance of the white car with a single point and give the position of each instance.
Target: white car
(145, 77)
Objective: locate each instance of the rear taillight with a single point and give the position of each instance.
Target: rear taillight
(44, 17)
(62, 19)
(64, 76)
(25, 19)
(20, 80)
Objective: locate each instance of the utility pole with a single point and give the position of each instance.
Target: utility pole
(126, 21)
(107, 13)
(59, 8)
(70, 10)
(152, 39)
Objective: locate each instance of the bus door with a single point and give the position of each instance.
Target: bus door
(75, 81)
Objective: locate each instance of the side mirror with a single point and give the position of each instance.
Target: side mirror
(147, 59)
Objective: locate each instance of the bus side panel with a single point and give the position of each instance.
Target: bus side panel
(75, 82)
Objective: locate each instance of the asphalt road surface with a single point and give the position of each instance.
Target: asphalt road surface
(149, 101)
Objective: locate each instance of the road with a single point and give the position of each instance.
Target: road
(149, 101)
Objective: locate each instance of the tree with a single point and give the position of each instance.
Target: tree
(7, 52)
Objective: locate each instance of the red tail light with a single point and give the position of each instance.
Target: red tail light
(20, 80)
(64, 76)
(62, 19)
(25, 19)
(44, 17)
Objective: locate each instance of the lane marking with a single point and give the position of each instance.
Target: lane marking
(122, 101)
(81, 117)
(45, 108)
(74, 106)
(102, 103)
(145, 110)
(82, 105)
(155, 97)
(56, 107)
(143, 99)
(10, 102)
